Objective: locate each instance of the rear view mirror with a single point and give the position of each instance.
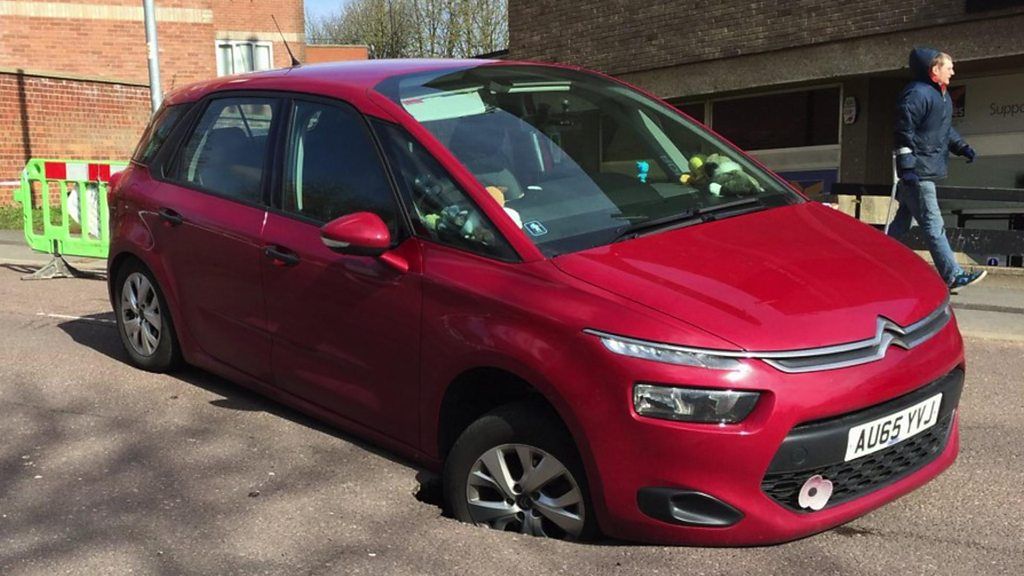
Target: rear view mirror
(361, 233)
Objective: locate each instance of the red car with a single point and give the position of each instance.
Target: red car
(582, 307)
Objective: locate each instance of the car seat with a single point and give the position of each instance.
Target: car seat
(229, 164)
(480, 143)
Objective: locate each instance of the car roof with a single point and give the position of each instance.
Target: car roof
(327, 78)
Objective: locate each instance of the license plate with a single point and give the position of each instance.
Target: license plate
(892, 429)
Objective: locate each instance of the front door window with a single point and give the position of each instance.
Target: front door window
(332, 168)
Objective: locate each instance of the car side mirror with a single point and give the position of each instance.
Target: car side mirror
(361, 233)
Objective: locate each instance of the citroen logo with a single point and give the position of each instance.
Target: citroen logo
(887, 333)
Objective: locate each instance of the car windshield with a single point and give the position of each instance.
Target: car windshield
(579, 159)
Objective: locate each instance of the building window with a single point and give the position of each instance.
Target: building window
(787, 120)
(694, 110)
(236, 57)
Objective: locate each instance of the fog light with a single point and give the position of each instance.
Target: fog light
(693, 404)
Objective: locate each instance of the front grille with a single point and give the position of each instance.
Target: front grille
(832, 357)
(858, 477)
(887, 333)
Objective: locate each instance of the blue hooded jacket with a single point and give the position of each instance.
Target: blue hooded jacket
(924, 122)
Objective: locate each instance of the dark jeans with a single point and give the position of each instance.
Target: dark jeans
(919, 202)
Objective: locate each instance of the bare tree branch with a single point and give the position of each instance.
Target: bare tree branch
(415, 28)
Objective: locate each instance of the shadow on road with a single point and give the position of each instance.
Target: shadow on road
(27, 270)
(99, 332)
(21, 268)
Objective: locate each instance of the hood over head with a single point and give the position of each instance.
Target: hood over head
(921, 63)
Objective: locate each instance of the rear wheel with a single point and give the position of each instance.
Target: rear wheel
(516, 469)
(143, 320)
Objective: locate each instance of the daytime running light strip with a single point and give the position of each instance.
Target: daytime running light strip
(815, 359)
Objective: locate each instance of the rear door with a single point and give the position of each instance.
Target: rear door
(345, 328)
(209, 214)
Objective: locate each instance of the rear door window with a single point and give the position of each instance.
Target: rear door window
(226, 154)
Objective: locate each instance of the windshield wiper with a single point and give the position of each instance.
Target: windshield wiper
(691, 216)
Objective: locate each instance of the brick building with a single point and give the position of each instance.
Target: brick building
(74, 79)
(316, 53)
(810, 86)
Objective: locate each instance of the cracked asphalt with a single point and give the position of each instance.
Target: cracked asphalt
(105, 469)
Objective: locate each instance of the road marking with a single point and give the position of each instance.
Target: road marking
(83, 319)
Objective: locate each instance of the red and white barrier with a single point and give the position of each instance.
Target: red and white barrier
(80, 171)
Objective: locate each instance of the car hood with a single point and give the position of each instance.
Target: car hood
(795, 277)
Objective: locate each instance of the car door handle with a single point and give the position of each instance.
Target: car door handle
(170, 216)
(281, 256)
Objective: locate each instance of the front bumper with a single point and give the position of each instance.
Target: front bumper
(819, 448)
(753, 469)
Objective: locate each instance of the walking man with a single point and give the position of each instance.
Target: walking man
(924, 138)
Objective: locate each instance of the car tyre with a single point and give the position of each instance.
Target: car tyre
(516, 469)
(144, 320)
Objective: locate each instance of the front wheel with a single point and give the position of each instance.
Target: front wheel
(517, 470)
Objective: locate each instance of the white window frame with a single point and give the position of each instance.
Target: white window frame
(217, 44)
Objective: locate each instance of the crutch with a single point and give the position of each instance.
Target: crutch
(892, 195)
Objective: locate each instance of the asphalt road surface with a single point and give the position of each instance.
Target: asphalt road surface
(105, 469)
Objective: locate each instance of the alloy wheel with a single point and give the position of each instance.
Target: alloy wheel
(140, 314)
(521, 488)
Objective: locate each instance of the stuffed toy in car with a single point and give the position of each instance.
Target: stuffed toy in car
(696, 177)
(499, 196)
(721, 175)
(728, 177)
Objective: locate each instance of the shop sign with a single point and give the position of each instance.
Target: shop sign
(996, 105)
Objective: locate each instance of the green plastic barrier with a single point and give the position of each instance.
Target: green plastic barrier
(81, 187)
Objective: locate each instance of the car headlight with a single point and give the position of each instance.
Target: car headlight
(666, 353)
(693, 404)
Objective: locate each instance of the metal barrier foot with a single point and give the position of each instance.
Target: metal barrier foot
(59, 268)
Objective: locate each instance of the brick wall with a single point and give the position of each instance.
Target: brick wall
(186, 51)
(251, 20)
(335, 53)
(106, 39)
(83, 87)
(52, 118)
(619, 36)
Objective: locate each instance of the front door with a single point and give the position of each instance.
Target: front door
(207, 223)
(345, 328)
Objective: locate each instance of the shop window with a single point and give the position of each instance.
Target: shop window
(787, 120)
